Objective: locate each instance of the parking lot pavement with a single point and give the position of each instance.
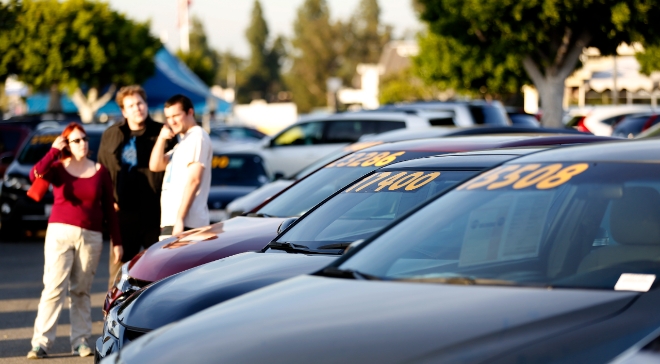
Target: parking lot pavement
(21, 270)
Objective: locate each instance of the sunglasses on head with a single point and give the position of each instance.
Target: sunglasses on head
(76, 141)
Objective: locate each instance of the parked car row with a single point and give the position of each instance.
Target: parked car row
(546, 250)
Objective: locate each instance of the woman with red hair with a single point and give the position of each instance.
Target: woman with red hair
(83, 202)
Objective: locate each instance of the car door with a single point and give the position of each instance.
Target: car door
(294, 148)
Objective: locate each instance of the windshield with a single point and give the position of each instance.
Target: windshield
(302, 196)
(329, 158)
(368, 205)
(238, 170)
(39, 145)
(588, 225)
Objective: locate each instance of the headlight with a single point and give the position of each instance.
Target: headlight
(112, 323)
(18, 183)
(124, 282)
(122, 287)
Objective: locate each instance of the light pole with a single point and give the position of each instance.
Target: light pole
(184, 26)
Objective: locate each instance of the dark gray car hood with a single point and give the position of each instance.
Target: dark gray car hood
(191, 291)
(318, 319)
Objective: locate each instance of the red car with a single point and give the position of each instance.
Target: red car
(254, 231)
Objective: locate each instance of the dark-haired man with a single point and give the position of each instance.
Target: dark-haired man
(187, 169)
(125, 151)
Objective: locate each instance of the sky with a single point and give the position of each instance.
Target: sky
(225, 21)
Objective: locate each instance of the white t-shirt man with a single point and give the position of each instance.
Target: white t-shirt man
(195, 146)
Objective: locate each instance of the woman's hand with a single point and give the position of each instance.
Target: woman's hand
(178, 227)
(60, 143)
(118, 252)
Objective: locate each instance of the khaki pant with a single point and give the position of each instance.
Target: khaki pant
(71, 257)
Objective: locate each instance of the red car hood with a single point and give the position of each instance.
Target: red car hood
(198, 246)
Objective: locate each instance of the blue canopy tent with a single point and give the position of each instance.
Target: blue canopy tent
(172, 77)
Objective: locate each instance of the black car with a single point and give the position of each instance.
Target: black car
(631, 125)
(233, 175)
(11, 139)
(17, 211)
(14, 130)
(552, 257)
(356, 212)
(519, 117)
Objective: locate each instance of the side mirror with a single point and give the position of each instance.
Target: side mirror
(285, 224)
(6, 159)
(353, 245)
(278, 175)
(266, 142)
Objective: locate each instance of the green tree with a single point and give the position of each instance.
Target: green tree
(230, 71)
(201, 59)
(314, 56)
(262, 74)
(649, 60)
(8, 15)
(364, 38)
(547, 36)
(404, 86)
(78, 45)
(447, 63)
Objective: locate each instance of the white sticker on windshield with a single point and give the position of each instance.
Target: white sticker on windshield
(507, 228)
(634, 282)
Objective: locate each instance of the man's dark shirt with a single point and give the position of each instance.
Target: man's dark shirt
(125, 153)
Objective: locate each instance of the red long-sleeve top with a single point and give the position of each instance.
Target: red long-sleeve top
(83, 202)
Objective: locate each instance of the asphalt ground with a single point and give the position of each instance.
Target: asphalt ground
(21, 272)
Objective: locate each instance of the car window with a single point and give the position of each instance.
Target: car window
(569, 225)
(349, 131)
(488, 114)
(524, 120)
(301, 134)
(442, 122)
(632, 125)
(238, 170)
(369, 204)
(40, 144)
(254, 133)
(386, 125)
(235, 134)
(302, 196)
(331, 157)
(614, 119)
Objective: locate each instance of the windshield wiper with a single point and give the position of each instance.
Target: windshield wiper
(335, 246)
(347, 273)
(286, 246)
(258, 214)
(297, 248)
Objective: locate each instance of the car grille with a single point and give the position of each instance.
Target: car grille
(131, 335)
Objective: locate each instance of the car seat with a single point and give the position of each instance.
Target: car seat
(635, 225)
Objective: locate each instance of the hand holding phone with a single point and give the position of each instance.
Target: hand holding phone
(60, 143)
(166, 132)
